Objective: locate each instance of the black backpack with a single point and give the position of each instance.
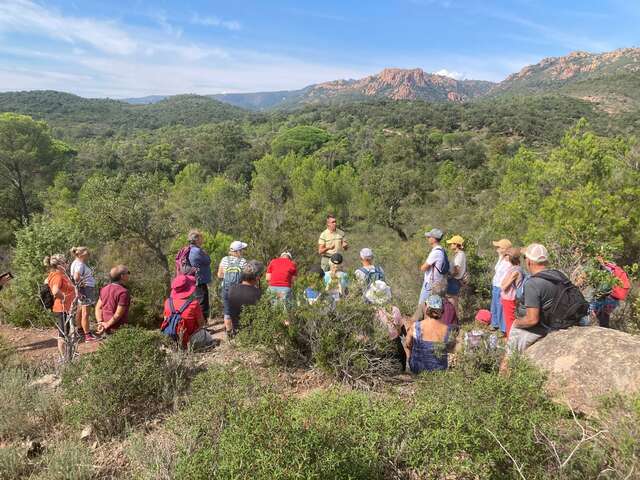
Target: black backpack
(568, 305)
(46, 297)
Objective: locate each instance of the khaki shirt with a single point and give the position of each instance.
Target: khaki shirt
(333, 240)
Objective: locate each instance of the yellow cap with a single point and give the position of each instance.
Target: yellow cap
(456, 239)
(502, 243)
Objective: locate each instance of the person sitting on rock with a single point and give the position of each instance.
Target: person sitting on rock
(427, 340)
(551, 302)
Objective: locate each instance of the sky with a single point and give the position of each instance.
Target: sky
(134, 48)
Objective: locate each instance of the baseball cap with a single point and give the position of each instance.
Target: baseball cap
(536, 253)
(366, 253)
(286, 253)
(434, 302)
(237, 245)
(456, 239)
(434, 233)
(336, 258)
(502, 243)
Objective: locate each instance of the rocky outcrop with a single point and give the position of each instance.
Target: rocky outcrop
(403, 84)
(586, 363)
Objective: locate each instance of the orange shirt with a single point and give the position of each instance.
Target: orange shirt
(60, 280)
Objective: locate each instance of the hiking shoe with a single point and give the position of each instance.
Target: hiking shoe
(90, 337)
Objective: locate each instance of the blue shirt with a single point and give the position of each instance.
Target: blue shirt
(202, 262)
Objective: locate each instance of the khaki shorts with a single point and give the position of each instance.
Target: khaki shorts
(521, 339)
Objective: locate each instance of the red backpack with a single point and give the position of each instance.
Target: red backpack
(620, 291)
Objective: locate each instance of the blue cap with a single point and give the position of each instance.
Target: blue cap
(434, 302)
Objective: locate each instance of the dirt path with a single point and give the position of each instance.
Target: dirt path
(40, 344)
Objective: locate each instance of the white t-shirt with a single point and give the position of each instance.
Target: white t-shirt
(501, 270)
(460, 261)
(436, 260)
(86, 274)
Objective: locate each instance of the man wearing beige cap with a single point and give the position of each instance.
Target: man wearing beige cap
(502, 265)
(552, 302)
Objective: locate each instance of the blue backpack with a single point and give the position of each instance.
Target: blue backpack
(445, 263)
(371, 275)
(171, 327)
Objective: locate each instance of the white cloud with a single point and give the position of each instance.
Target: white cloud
(209, 21)
(26, 16)
(446, 73)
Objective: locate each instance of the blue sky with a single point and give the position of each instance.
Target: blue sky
(134, 48)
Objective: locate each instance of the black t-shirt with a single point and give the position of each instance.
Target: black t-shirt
(241, 295)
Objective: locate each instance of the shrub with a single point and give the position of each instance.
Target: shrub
(129, 379)
(329, 435)
(342, 339)
(26, 410)
(152, 456)
(217, 396)
(68, 460)
(449, 430)
(13, 463)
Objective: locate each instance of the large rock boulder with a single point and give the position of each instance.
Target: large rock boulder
(585, 363)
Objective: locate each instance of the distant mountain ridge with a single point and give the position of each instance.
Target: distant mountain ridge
(393, 83)
(610, 81)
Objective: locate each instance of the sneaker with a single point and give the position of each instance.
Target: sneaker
(90, 337)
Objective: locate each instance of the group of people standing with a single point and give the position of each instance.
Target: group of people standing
(73, 295)
(519, 306)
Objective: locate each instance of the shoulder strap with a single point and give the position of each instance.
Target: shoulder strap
(547, 275)
(172, 308)
(185, 305)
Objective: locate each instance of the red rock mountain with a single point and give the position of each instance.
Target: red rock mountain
(401, 84)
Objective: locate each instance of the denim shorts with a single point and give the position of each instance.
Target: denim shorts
(87, 296)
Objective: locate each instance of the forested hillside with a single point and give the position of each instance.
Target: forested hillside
(318, 382)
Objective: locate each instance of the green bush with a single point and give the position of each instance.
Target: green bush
(328, 435)
(449, 428)
(129, 379)
(344, 340)
(216, 397)
(27, 411)
(13, 463)
(68, 460)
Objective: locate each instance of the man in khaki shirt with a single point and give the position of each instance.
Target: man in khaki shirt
(331, 241)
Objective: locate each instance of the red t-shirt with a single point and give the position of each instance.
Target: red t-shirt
(111, 296)
(190, 317)
(282, 270)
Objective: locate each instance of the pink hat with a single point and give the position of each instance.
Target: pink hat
(183, 286)
(483, 316)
